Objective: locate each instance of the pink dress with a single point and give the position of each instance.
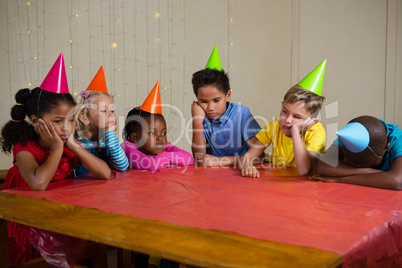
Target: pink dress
(19, 247)
(172, 155)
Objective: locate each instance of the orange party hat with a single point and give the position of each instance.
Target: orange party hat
(152, 104)
(98, 83)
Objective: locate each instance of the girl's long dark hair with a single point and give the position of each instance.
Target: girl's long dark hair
(29, 102)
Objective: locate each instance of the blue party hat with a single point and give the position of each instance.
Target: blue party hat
(354, 136)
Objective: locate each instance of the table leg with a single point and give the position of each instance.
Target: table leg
(3, 244)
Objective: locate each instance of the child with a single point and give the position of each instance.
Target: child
(147, 148)
(145, 143)
(222, 130)
(297, 138)
(43, 149)
(96, 124)
(367, 152)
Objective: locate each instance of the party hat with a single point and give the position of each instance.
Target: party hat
(354, 136)
(313, 81)
(214, 62)
(98, 83)
(152, 104)
(56, 79)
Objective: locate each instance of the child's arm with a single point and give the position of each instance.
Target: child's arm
(247, 160)
(93, 164)
(117, 155)
(199, 142)
(208, 160)
(332, 164)
(391, 179)
(177, 156)
(305, 160)
(139, 160)
(38, 177)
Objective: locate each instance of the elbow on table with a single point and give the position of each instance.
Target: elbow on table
(396, 183)
(39, 186)
(104, 174)
(303, 171)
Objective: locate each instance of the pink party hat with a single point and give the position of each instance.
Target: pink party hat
(56, 79)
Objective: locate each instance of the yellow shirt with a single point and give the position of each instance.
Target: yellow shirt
(282, 145)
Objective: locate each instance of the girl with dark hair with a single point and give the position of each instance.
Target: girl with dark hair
(146, 144)
(44, 150)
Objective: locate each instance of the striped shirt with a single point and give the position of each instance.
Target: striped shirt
(108, 149)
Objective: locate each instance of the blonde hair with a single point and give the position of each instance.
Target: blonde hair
(312, 102)
(85, 102)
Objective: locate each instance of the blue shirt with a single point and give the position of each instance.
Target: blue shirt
(108, 149)
(394, 135)
(228, 135)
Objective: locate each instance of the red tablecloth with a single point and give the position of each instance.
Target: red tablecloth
(364, 224)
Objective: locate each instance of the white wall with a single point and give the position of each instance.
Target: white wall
(266, 46)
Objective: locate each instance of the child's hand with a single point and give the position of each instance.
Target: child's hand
(71, 142)
(318, 177)
(48, 136)
(250, 172)
(197, 111)
(112, 127)
(305, 124)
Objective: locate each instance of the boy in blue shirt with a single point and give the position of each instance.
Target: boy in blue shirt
(368, 152)
(221, 129)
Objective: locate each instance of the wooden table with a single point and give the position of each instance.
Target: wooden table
(215, 218)
(187, 245)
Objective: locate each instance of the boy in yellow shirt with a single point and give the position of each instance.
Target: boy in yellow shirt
(297, 138)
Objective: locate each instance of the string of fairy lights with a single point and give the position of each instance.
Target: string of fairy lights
(36, 33)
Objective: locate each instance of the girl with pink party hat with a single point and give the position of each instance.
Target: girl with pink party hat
(43, 148)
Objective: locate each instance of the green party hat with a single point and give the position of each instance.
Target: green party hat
(313, 81)
(214, 62)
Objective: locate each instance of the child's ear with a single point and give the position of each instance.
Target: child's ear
(386, 148)
(134, 137)
(83, 118)
(228, 95)
(34, 120)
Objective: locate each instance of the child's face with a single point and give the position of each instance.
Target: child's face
(212, 101)
(153, 137)
(62, 119)
(102, 112)
(292, 113)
